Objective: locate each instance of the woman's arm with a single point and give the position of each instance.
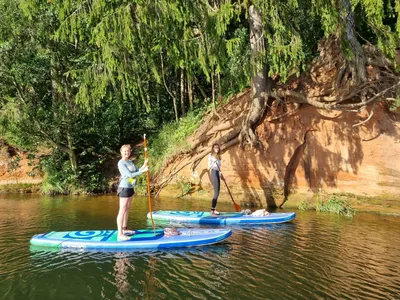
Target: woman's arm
(123, 169)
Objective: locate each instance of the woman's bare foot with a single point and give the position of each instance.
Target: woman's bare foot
(123, 237)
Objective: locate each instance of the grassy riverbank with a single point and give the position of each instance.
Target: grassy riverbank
(340, 203)
(334, 202)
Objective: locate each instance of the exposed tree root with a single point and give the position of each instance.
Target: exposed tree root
(369, 116)
(297, 97)
(297, 106)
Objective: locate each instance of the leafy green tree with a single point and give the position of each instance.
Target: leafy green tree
(38, 96)
(83, 76)
(34, 85)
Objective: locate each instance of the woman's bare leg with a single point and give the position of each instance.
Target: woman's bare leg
(126, 215)
(123, 205)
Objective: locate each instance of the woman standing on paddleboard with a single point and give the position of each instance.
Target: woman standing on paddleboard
(214, 164)
(125, 191)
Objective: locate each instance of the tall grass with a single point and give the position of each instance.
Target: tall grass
(171, 139)
(305, 205)
(335, 205)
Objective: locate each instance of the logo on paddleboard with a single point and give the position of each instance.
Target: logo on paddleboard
(89, 235)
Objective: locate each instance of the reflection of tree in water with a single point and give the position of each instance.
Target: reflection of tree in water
(121, 268)
(150, 284)
(128, 278)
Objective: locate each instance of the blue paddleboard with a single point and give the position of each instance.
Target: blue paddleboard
(143, 239)
(225, 218)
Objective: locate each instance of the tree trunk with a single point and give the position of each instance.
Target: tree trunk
(259, 87)
(175, 106)
(71, 153)
(219, 88)
(358, 62)
(203, 93)
(213, 91)
(190, 92)
(172, 94)
(160, 116)
(183, 109)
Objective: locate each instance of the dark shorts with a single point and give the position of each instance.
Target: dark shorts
(125, 192)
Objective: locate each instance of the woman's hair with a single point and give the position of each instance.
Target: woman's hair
(215, 154)
(124, 146)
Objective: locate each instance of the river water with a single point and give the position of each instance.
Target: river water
(317, 256)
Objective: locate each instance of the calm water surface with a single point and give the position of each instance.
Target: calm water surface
(318, 256)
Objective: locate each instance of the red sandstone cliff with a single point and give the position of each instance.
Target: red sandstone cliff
(15, 167)
(315, 150)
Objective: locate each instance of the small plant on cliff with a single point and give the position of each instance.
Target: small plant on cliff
(335, 205)
(14, 164)
(395, 103)
(185, 185)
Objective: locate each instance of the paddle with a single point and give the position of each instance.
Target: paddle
(237, 206)
(146, 157)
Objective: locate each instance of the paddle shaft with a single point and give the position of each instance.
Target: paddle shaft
(237, 206)
(146, 157)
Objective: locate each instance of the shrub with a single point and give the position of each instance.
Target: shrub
(335, 205)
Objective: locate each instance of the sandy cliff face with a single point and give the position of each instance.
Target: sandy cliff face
(15, 167)
(314, 150)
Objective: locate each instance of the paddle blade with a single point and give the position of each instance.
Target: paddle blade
(237, 207)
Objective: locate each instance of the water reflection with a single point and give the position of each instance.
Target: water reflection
(318, 256)
(150, 285)
(121, 269)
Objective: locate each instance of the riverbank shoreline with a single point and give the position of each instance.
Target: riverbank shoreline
(383, 204)
(21, 188)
